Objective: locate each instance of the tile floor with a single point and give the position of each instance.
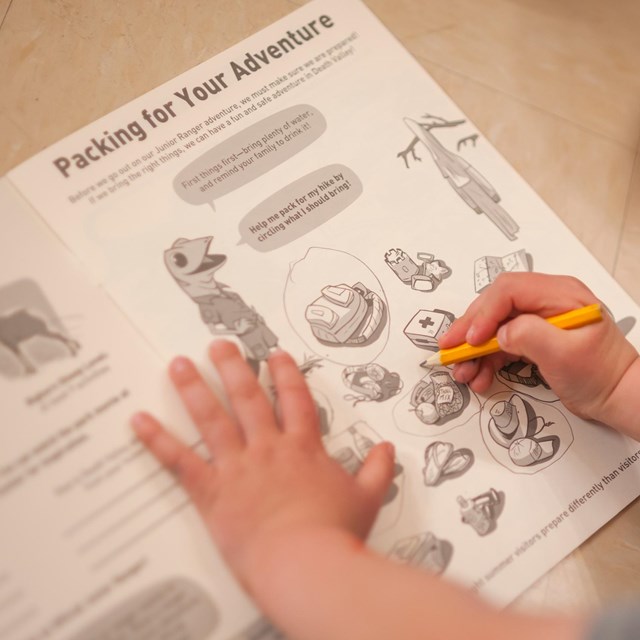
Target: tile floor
(554, 84)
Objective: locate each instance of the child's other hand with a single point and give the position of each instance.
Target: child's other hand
(583, 366)
(267, 481)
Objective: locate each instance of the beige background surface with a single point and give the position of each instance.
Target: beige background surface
(553, 84)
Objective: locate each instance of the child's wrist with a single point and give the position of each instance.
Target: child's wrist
(271, 562)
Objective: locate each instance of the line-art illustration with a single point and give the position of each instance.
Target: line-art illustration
(423, 550)
(352, 460)
(426, 327)
(515, 426)
(472, 139)
(324, 409)
(465, 180)
(438, 398)
(482, 511)
(323, 406)
(435, 404)
(31, 333)
(336, 305)
(322, 403)
(350, 447)
(524, 434)
(526, 379)
(221, 309)
(443, 462)
(349, 315)
(370, 383)
(487, 268)
(427, 275)
(523, 373)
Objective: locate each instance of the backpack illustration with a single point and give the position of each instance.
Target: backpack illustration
(346, 315)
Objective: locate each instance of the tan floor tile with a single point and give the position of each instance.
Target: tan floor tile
(627, 269)
(613, 556)
(576, 59)
(4, 7)
(408, 19)
(80, 60)
(582, 176)
(567, 587)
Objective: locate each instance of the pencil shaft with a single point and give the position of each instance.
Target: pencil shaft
(468, 352)
(569, 320)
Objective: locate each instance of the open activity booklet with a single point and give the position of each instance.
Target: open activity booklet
(310, 188)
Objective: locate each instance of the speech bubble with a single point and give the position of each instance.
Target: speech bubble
(300, 207)
(249, 154)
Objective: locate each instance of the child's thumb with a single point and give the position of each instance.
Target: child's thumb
(377, 471)
(532, 337)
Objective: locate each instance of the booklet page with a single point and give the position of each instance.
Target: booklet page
(310, 188)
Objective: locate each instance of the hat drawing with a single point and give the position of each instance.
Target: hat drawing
(525, 452)
(513, 419)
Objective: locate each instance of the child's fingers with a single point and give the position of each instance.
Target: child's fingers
(456, 334)
(529, 336)
(464, 372)
(484, 377)
(248, 399)
(377, 471)
(485, 367)
(514, 293)
(298, 410)
(218, 430)
(192, 471)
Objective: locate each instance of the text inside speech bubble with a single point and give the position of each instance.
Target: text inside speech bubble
(300, 207)
(249, 154)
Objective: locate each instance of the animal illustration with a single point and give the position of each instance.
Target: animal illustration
(465, 180)
(222, 310)
(21, 326)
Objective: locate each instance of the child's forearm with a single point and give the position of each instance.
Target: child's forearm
(324, 583)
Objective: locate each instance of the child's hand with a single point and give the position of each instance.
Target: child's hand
(266, 481)
(287, 518)
(583, 366)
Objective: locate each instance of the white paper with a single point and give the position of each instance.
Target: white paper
(344, 203)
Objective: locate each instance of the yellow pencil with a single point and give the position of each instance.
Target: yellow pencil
(569, 320)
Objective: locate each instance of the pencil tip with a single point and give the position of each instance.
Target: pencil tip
(431, 361)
